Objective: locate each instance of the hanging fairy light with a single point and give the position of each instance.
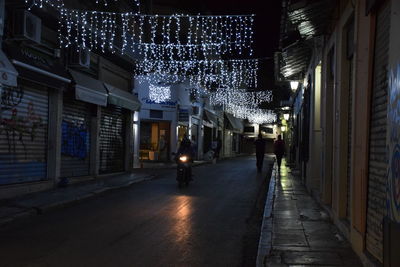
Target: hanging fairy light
(227, 73)
(105, 2)
(244, 104)
(227, 96)
(225, 34)
(58, 4)
(262, 116)
(159, 94)
(253, 115)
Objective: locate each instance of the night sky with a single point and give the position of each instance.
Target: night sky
(267, 28)
(267, 23)
(267, 20)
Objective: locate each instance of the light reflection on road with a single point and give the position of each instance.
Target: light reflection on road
(182, 225)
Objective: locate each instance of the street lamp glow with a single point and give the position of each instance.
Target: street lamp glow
(286, 116)
(294, 85)
(283, 128)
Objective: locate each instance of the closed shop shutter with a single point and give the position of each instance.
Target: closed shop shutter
(112, 139)
(23, 134)
(377, 143)
(75, 138)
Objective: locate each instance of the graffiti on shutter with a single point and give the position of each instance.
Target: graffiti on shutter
(377, 141)
(112, 139)
(23, 134)
(75, 138)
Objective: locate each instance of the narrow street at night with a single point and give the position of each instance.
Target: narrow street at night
(212, 222)
(109, 107)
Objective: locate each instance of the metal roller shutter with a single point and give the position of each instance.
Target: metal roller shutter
(23, 134)
(377, 142)
(112, 139)
(75, 140)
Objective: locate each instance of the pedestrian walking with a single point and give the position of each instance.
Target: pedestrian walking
(260, 151)
(279, 150)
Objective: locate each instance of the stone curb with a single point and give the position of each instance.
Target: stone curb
(265, 243)
(31, 211)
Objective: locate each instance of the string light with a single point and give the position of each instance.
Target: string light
(244, 104)
(227, 73)
(171, 55)
(205, 33)
(260, 116)
(159, 94)
(58, 4)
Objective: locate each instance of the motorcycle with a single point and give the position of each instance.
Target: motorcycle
(184, 172)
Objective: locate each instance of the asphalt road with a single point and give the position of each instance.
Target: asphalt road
(152, 223)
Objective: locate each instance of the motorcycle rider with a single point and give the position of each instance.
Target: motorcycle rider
(185, 148)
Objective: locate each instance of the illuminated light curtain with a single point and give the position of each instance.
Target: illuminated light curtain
(227, 73)
(98, 30)
(159, 94)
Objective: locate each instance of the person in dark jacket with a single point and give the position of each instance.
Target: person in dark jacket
(279, 150)
(260, 151)
(186, 148)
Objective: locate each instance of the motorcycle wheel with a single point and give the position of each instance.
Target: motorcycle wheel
(181, 178)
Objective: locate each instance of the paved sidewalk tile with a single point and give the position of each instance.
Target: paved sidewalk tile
(302, 233)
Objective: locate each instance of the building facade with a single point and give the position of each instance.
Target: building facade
(66, 114)
(345, 115)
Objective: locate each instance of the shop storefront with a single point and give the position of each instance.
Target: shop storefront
(75, 136)
(210, 123)
(112, 139)
(79, 107)
(183, 123)
(154, 136)
(158, 125)
(182, 131)
(233, 135)
(26, 123)
(116, 120)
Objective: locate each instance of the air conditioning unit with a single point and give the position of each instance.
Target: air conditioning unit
(27, 26)
(80, 57)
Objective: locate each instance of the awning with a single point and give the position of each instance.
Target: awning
(211, 117)
(88, 89)
(8, 74)
(38, 67)
(122, 98)
(236, 124)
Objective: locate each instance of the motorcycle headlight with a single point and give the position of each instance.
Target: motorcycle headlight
(183, 158)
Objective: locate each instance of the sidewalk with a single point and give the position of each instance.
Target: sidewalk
(296, 231)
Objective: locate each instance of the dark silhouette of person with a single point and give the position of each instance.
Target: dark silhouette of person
(260, 151)
(279, 150)
(186, 148)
